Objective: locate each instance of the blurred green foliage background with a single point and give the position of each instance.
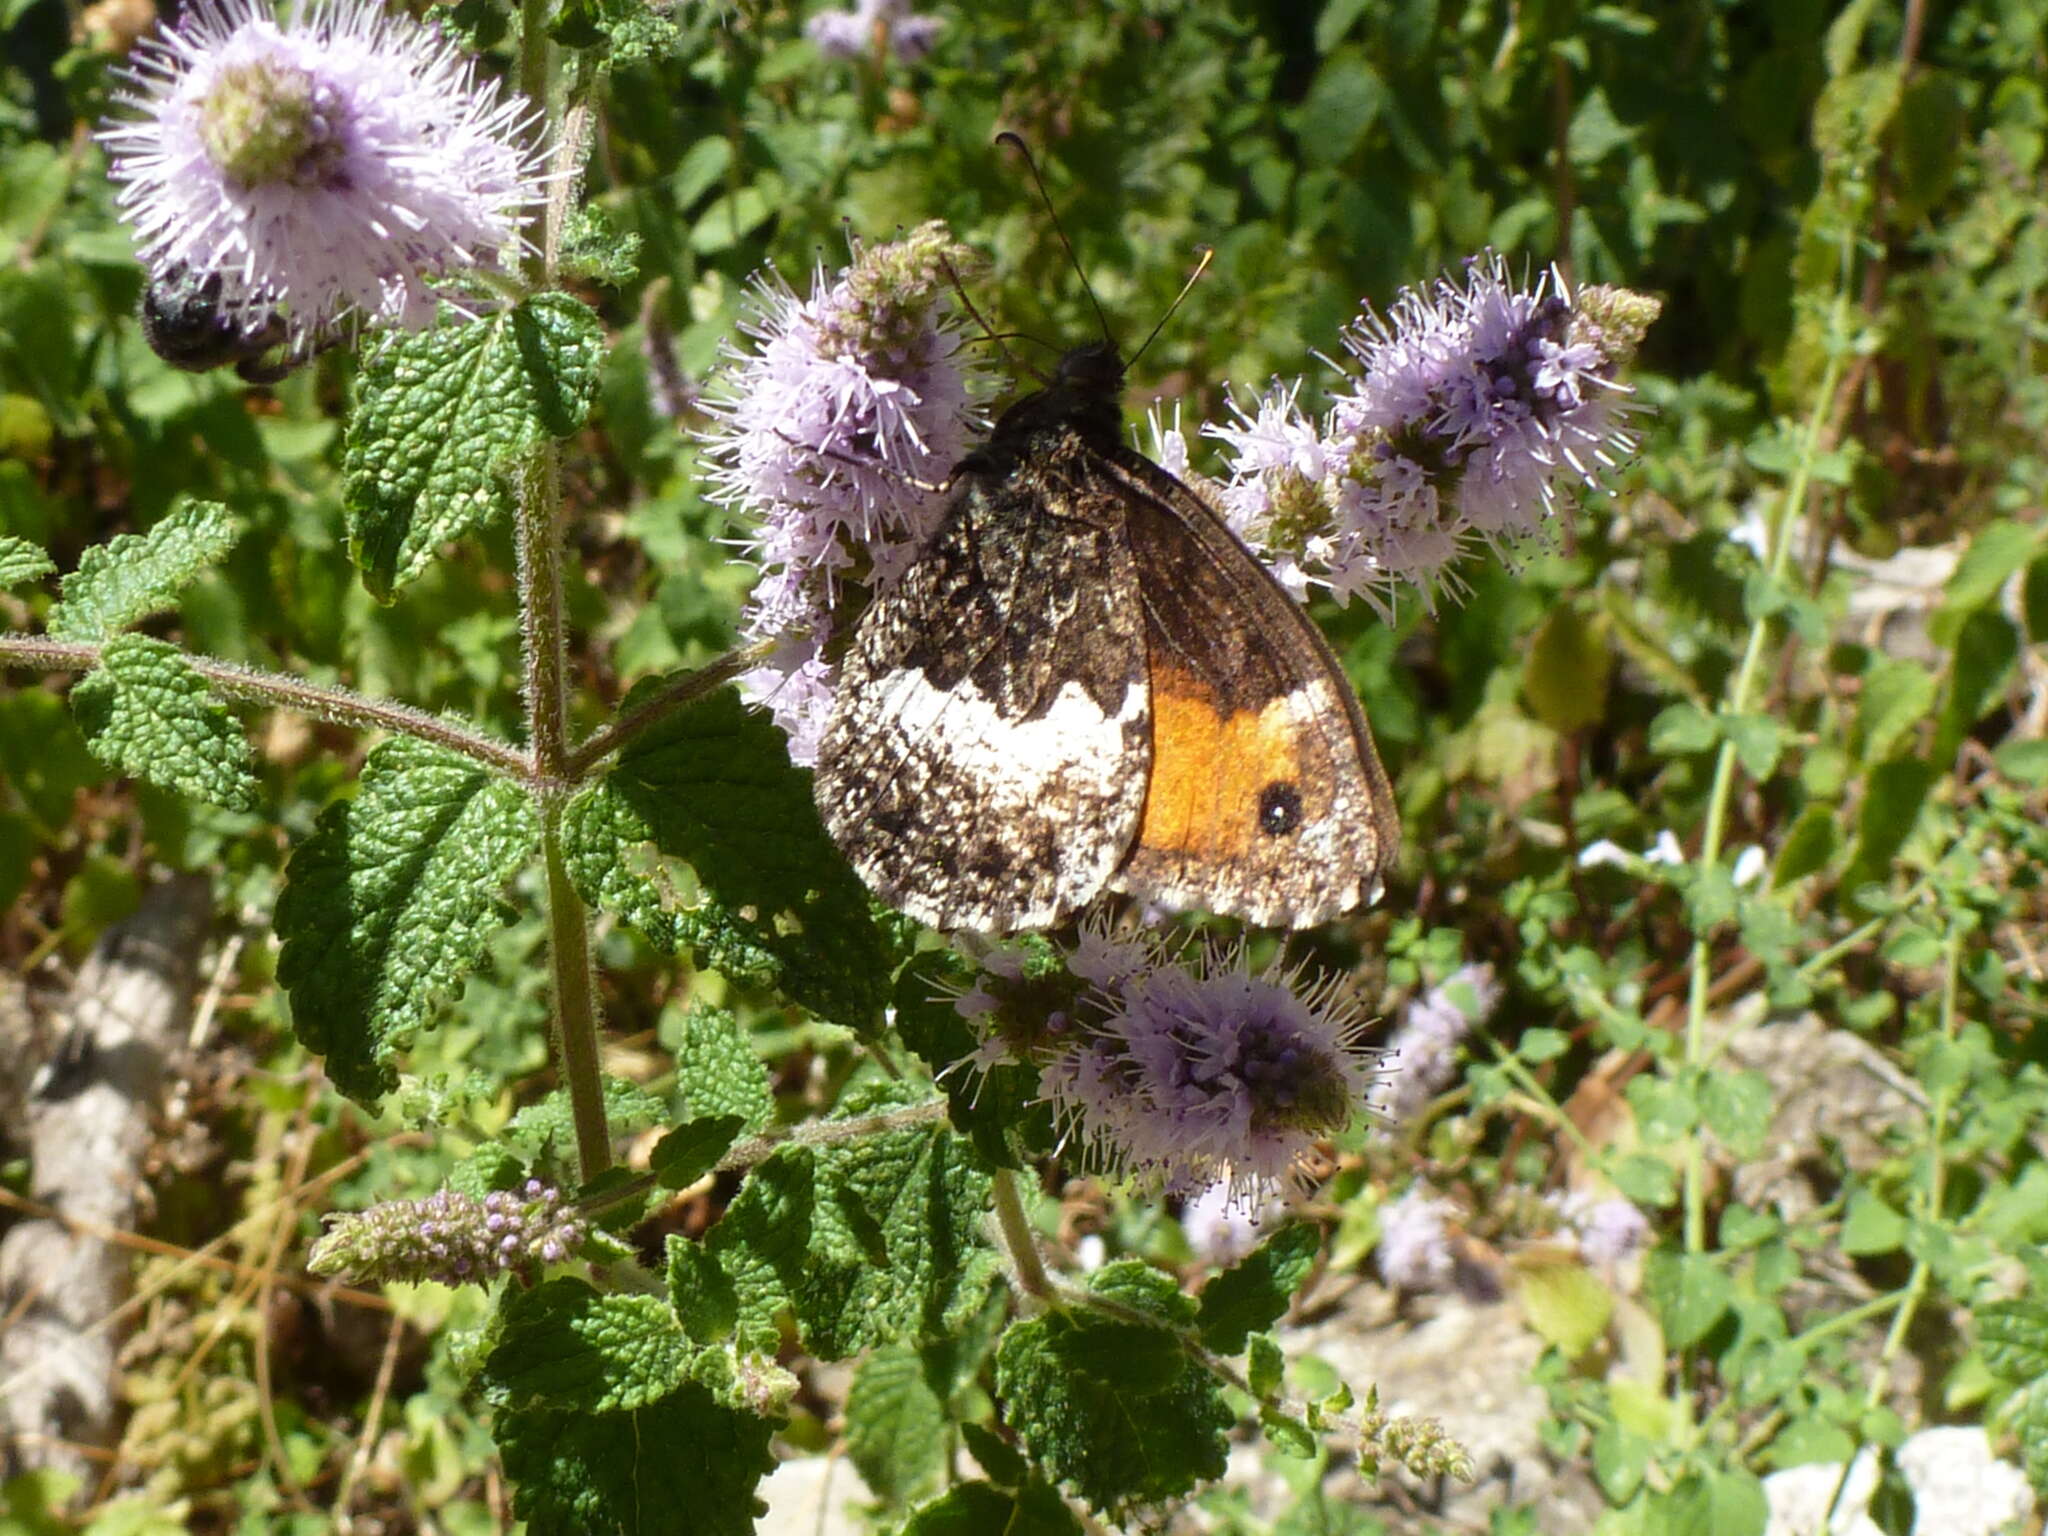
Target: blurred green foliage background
(1759, 164)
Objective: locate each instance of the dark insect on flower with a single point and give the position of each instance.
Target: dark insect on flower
(186, 325)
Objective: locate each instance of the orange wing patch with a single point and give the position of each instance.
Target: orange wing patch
(1217, 779)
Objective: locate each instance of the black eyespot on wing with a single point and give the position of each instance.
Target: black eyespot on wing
(1279, 808)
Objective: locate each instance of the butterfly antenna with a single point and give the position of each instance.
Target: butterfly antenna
(1018, 144)
(1186, 288)
(988, 331)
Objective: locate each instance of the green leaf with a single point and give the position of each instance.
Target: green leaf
(1255, 1293)
(896, 1427)
(564, 1345)
(1711, 1504)
(1892, 797)
(718, 1072)
(2029, 1418)
(1082, 1418)
(1870, 1226)
(1897, 695)
(1809, 847)
(1930, 126)
(690, 1151)
(865, 1242)
(1737, 1107)
(387, 906)
(685, 1466)
(1566, 670)
(1265, 1367)
(1690, 1292)
(712, 785)
(998, 1458)
(1565, 1303)
(700, 1291)
(614, 866)
(545, 1131)
(443, 416)
(43, 756)
(1287, 1435)
(133, 575)
(1987, 648)
(2013, 1338)
(21, 561)
(1994, 554)
(146, 712)
(1620, 1460)
(1758, 741)
(1682, 729)
(2024, 762)
(978, 1509)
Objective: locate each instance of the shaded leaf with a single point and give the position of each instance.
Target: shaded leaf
(1255, 1293)
(690, 1151)
(684, 1466)
(712, 786)
(979, 1509)
(896, 1426)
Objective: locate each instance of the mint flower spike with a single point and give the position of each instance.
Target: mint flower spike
(329, 169)
(870, 27)
(1476, 403)
(1422, 1054)
(1198, 1072)
(453, 1238)
(828, 424)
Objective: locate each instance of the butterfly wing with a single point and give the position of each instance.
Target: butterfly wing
(984, 764)
(1266, 799)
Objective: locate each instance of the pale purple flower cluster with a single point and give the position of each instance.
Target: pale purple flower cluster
(1219, 1227)
(824, 431)
(1414, 1250)
(1423, 1052)
(1188, 1072)
(1473, 402)
(450, 1237)
(327, 170)
(870, 27)
(1608, 1229)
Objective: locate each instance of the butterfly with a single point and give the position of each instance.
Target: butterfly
(1085, 682)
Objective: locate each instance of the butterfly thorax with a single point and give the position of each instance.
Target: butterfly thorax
(1084, 398)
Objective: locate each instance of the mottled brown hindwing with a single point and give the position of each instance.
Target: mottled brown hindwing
(1266, 799)
(985, 763)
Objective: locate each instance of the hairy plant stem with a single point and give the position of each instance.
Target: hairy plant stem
(1741, 694)
(542, 632)
(543, 636)
(677, 693)
(756, 1149)
(1018, 1237)
(279, 690)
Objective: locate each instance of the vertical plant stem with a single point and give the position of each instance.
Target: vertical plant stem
(1934, 1195)
(576, 1047)
(1741, 696)
(1018, 1236)
(543, 637)
(542, 631)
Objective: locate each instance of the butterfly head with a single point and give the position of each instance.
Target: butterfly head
(1085, 396)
